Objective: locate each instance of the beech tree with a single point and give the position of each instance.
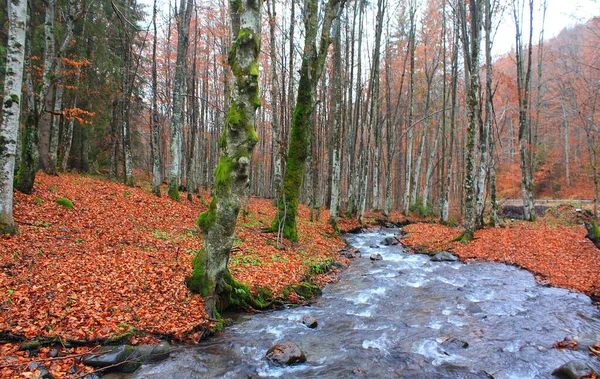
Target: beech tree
(526, 143)
(183, 23)
(313, 60)
(210, 276)
(471, 40)
(11, 108)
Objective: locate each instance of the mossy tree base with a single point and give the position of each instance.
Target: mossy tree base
(25, 178)
(464, 238)
(9, 229)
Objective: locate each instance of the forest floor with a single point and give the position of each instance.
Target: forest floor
(116, 263)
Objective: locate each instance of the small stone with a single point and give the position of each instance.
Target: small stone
(285, 354)
(376, 257)
(374, 246)
(33, 366)
(574, 370)
(310, 321)
(45, 374)
(53, 353)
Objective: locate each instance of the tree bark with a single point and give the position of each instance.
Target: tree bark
(336, 170)
(471, 39)
(155, 126)
(11, 109)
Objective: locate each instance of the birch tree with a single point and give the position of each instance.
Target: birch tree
(11, 108)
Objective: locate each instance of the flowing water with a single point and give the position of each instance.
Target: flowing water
(406, 317)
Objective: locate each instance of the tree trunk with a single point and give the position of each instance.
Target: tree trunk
(471, 45)
(277, 144)
(377, 199)
(155, 126)
(313, 60)
(210, 276)
(183, 24)
(11, 109)
(429, 167)
(411, 96)
(525, 132)
(336, 170)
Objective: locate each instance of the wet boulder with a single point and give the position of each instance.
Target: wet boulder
(310, 321)
(389, 241)
(118, 358)
(350, 253)
(151, 353)
(376, 257)
(285, 354)
(444, 256)
(574, 370)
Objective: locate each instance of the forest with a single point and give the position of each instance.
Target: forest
(226, 137)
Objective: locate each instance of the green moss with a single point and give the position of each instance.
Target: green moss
(464, 238)
(207, 218)
(65, 202)
(223, 141)
(30, 345)
(254, 68)
(236, 117)
(123, 337)
(237, 6)
(199, 282)
(174, 193)
(9, 229)
(595, 231)
(305, 290)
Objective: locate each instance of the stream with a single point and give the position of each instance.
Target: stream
(405, 317)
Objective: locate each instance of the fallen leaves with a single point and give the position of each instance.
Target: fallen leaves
(559, 255)
(118, 260)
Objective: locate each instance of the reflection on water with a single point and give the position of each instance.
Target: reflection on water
(405, 317)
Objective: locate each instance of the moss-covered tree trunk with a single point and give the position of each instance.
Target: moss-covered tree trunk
(210, 276)
(313, 60)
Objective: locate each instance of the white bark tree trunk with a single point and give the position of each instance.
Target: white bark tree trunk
(13, 81)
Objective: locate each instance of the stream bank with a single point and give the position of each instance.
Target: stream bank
(405, 316)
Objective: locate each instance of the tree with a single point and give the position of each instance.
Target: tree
(183, 23)
(313, 60)
(11, 108)
(154, 121)
(471, 40)
(210, 276)
(336, 155)
(526, 144)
